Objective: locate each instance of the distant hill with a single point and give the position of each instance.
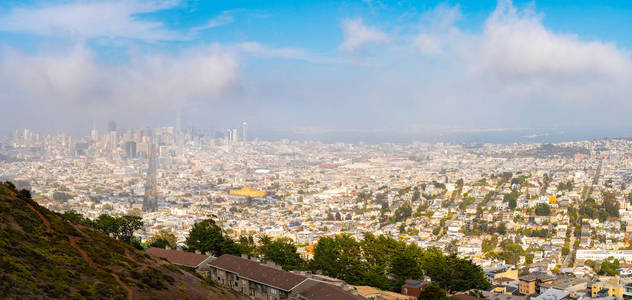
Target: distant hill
(43, 255)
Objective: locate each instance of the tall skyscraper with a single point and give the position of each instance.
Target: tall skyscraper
(178, 135)
(111, 126)
(178, 123)
(94, 134)
(234, 136)
(130, 149)
(150, 201)
(113, 140)
(244, 132)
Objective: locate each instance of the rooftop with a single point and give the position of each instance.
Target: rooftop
(177, 257)
(258, 272)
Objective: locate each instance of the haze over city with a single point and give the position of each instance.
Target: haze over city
(353, 70)
(316, 150)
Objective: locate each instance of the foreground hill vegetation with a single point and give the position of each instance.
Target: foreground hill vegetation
(46, 255)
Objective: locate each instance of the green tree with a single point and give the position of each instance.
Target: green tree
(163, 239)
(436, 230)
(127, 226)
(283, 252)
(512, 203)
(403, 212)
(609, 268)
(247, 245)
(122, 228)
(108, 224)
(405, 265)
(452, 273)
(543, 209)
(375, 276)
(433, 292)
(206, 236)
(379, 251)
(502, 228)
(340, 257)
(511, 253)
(489, 244)
(326, 257)
(610, 204)
(77, 218)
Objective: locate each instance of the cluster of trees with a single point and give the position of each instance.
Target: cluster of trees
(402, 213)
(503, 177)
(466, 201)
(541, 232)
(281, 251)
(207, 237)
(437, 184)
(520, 180)
(22, 194)
(386, 263)
(565, 186)
(608, 267)
(510, 252)
(489, 244)
(543, 209)
(512, 199)
(164, 239)
(122, 228)
(608, 208)
(381, 261)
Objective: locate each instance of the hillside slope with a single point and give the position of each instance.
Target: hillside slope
(43, 255)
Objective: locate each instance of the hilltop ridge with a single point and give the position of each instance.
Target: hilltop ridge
(44, 255)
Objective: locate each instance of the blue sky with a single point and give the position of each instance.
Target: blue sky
(318, 66)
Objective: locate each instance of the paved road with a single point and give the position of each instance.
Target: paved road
(567, 258)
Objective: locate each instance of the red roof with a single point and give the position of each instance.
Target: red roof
(188, 259)
(466, 297)
(257, 272)
(320, 290)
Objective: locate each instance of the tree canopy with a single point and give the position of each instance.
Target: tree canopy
(453, 273)
(282, 252)
(206, 236)
(543, 209)
(374, 260)
(433, 292)
(163, 239)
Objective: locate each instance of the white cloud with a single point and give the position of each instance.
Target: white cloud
(115, 19)
(516, 56)
(427, 43)
(151, 82)
(516, 42)
(223, 19)
(438, 25)
(257, 49)
(442, 17)
(527, 59)
(358, 36)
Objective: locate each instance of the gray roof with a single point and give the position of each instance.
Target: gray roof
(551, 294)
(255, 271)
